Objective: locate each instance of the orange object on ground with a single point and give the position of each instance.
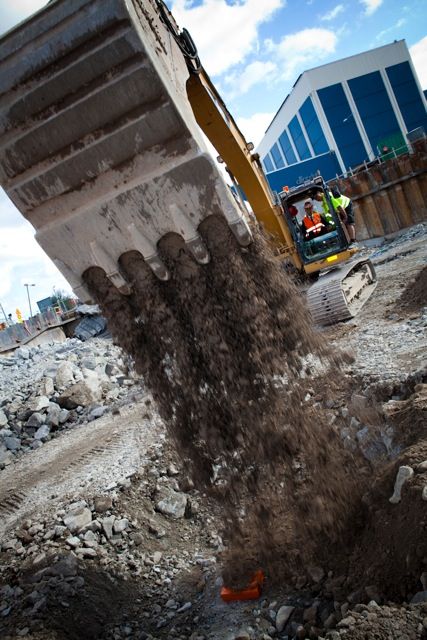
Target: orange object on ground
(252, 591)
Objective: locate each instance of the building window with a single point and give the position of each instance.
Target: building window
(277, 158)
(342, 124)
(286, 146)
(268, 165)
(375, 109)
(313, 128)
(408, 97)
(298, 138)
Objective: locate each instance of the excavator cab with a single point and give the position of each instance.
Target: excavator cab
(331, 241)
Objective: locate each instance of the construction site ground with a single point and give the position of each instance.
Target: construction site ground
(145, 560)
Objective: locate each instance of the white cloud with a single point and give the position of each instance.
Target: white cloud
(371, 6)
(23, 261)
(304, 49)
(256, 72)
(333, 13)
(13, 12)
(418, 53)
(224, 33)
(254, 127)
(393, 27)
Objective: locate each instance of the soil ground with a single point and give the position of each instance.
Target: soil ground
(376, 407)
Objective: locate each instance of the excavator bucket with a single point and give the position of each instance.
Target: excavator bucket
(99, 147)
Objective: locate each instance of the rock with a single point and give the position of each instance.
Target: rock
(53, 413)
(64, 375)
(11, 443)
(403, 475)
(82, 394)
(86, 552)
(102, 503)
(23, 353)
(172, 503)
(63, 416)
(137, 538)
(282, 617)
(349, 621)
(155, 529)
(316, 573)
(77, 519)
(120, 525)
(42, 432)
(35, 420)
(172, 470)
(73, 542)
(424, 492)
(38, 404)
(419, 597)
(47, 387)
(157, 556)
(107, 526)
(67, 566)
(3, 419)
(97, 412)
(185, 607)
(422, 467)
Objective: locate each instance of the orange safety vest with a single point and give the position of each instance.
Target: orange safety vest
(314, 226)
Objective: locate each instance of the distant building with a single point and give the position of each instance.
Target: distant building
(340, 114)
(45, 304)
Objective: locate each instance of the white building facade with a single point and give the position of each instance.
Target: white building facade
(343, 113)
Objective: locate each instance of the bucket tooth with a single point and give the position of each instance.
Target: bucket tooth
(146, 248)
(188, 230)
(241, 231)
(104, 260)
(198, 250)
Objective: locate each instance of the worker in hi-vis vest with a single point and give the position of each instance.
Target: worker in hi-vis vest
(343, 206)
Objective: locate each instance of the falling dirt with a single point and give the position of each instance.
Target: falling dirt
(225, 349)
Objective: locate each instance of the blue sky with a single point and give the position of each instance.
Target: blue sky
(254, 50)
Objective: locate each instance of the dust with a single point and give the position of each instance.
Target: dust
(229, 353)
(414, 297)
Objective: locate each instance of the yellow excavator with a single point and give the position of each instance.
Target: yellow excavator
(102, 105)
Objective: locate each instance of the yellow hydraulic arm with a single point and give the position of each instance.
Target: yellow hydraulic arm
(218, 125)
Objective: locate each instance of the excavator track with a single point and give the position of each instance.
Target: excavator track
(340, 294)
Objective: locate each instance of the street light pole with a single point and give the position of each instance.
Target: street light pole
(28, 294)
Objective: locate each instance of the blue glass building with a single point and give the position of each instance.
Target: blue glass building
(341, 114)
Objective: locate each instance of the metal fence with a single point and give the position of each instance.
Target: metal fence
(21, 332)
(388, 194)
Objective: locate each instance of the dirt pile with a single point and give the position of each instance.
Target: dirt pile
(414, 297)
(226, 350)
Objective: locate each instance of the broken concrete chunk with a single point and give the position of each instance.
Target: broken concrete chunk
(38, 404)
(172, 504)
(283, 616)
(42, 432)
(107, 526)
(77, 519)
(403, 475)
(120, 525)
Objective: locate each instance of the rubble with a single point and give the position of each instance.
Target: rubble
(140, 557)
(49, 388)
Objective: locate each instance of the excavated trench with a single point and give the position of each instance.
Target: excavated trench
(228, 351)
